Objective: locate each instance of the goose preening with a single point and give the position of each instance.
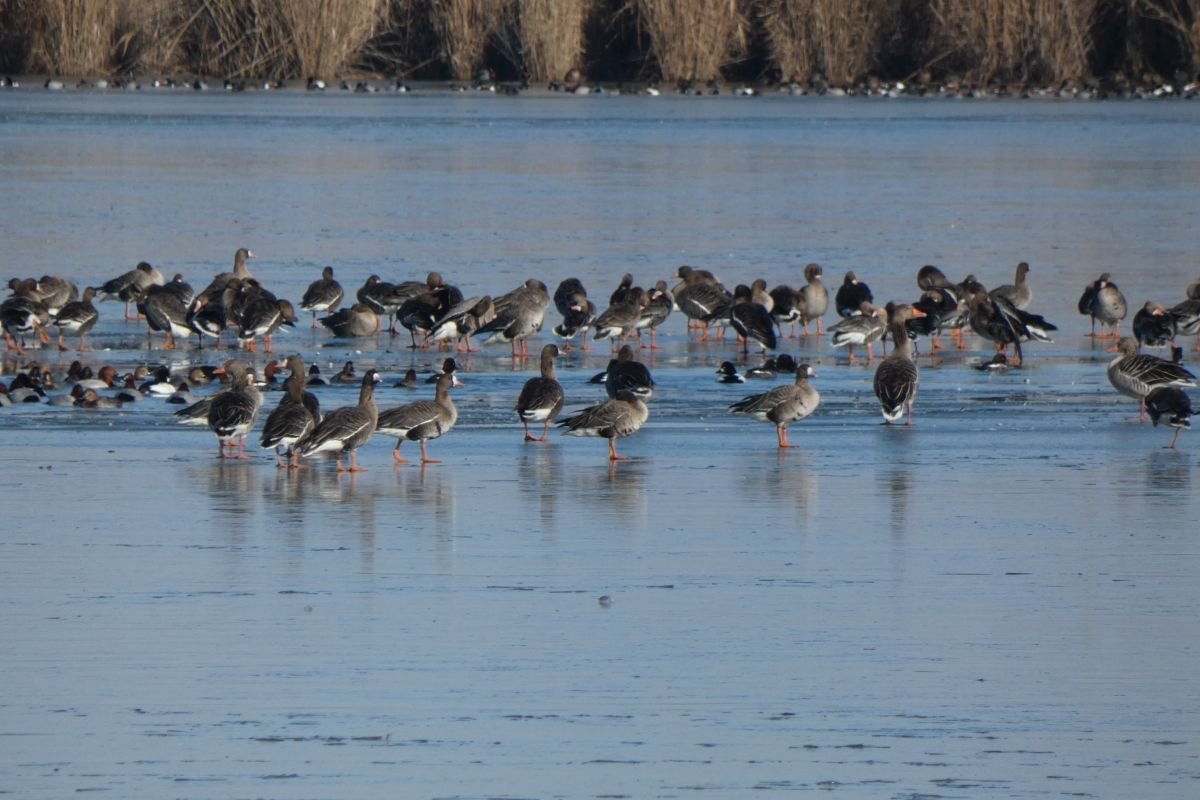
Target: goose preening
(1104, 303)
(1174, 404)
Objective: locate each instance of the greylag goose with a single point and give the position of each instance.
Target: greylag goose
(863, 329)
(345, 429)
(232, 413)
(1135, 374)
(896, 377)
(79, 317)
(422, 420)
(815, 297)
(1019, 293)
(357, 321)
(851, 295)
(542, 397)
(626, 373)
(298, 413)
(130, 285)
(783, 405)
(519, 315)
(1174, 404)
(323, 296)
(1103, 302)
(613, 419)
(1154, 326)
(752, 320)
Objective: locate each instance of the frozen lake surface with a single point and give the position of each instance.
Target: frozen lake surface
(999, 601)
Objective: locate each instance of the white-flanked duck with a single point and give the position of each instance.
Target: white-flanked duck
(1104, 303)
(422, 420)
(861, 330)
(298, 413)
(79, 317)
(541, 398)
(1174, 404)
(1135, 374)
(783, 405)
(345, 429)
(897, 377)
(613, 419)
(232, 413)
(519, 315)
(1019, 293)
(851, 295)
(322, 296)
(727, 373)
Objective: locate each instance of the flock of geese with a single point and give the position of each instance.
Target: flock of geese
(236, 304)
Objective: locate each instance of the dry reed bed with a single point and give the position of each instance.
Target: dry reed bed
(842, 41)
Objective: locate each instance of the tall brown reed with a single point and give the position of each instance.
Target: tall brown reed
(70, 37)
(464, 27)
(1015, 40)
(693, 39)
(839, 39)
(551, 36)
(1182, 19)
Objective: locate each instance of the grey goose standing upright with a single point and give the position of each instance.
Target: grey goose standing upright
(542, 397)
(298, 412)
(424, 419)
(323, 295)
(347, 428)
(897, 377)
(232, 413)
(613, 419)
(783, 405)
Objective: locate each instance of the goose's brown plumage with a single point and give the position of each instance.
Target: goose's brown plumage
(345, 428)
(897, 377)
(783, 405)
(422, 420)
(542, 397)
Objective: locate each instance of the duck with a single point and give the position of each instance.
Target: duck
(345, 429)
(785, 363)
(62, 400)
(622, 416)
(727, 373)
(519, 315)
(130, 285)
(182, 396)
(322, 296)
(626, 373)
(783, 405)
(862, 329)
(346, 374)
(357, 321)
(814, 297)
(1019, 292)
(1135, 374)
(1174, 404)
(297, 414)
(1154, 326)
(93, 400)
(461, 320)
(897, 377)
(1103, 301)
(851, 295)
(233, 412)
(315, 378)
(409, 381)
(104, 378)
(752, 320)
(422, 420)
(768, 370)
(541, 397)
(79, 317)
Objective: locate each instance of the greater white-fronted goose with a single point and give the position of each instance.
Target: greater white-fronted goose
(620, 319)
(209, 314)
(658, 307)
(541, 398)
(815, 297)
(1174, 404)
(897, 377)
(613, 419)
(1019, 293)
(263, 317)
(783, 405)
(752, 320)
(55, 293)
(240, 273)
(999, 321)
(165, 312)
(851, 295)
(345, 429)
(422, 420)
(1135, 374)
(232, 413)
(1154, 326)
(461, 321)
(861, 330)
(130, 285)
(519, 315)
(357, 321)
(79, 317)
(1104, 303)
(298, 413)
(626, 373)
(323, 296)
(702, 299)
(787, 307)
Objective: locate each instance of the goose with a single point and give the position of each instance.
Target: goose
(461, 320)
(1103, 301)
(1136, 374)
(851, 295)
(704, 302)
(263, 317)
(298, 413)
(519, 315)
(783, 405)
(658, 307)
(165, 311)
(997, 320)
(752, 320)
(621, 318)
(1019, 293)
(232, 413)
(210, 315)
(345, 429)
(322, 296)
(863, 329)
(55, 293)
(1154, 326)
(355, 322)
(897, 377)
(129, 286)
(1174, 404)
(578, 312)
(422, 420)
(541, 398)
(241, 272)
(21, 315)
(626, 373)
(613, 419)
(621, 294)
(787, 307)
(79, 317)
(814, 296)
